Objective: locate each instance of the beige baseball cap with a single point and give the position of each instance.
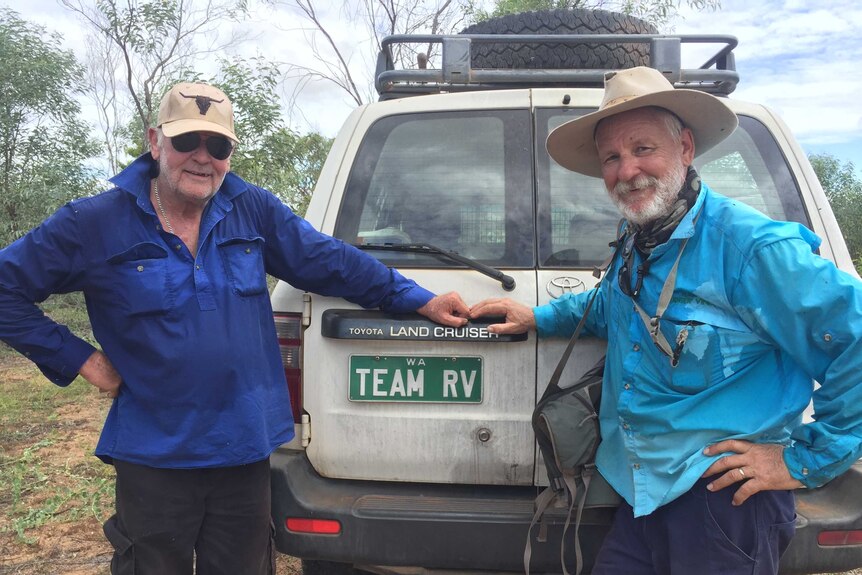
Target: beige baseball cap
(194, 107)
(573, 144)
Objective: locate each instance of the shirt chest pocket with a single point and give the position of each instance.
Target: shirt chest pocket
(243, 262)
(710, 354)
(139, 277)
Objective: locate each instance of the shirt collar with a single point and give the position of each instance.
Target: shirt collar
(685, 229)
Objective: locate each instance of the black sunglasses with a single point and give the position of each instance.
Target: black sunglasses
(219, 147)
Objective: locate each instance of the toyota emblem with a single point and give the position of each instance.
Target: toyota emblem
(563, 285)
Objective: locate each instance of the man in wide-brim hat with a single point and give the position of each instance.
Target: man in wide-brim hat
(717, 320)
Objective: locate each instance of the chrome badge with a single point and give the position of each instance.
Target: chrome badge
(563, 285)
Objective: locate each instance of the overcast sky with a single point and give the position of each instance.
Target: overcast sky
(800, 58)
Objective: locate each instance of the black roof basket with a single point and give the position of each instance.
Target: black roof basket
(717, 75)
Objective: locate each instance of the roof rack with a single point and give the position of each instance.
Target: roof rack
(717, 75)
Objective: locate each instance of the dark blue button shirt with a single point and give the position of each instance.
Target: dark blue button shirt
(192, 336)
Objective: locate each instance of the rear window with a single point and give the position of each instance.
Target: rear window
(466, 182)
(459, 181)
(576, 218)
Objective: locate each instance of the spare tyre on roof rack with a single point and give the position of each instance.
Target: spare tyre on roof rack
(561, 56)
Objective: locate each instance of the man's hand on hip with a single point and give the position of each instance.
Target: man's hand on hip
(100, 372)
(758, 466)
(448, 309)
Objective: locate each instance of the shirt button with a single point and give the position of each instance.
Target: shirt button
(197, 267)
(248, 250)
(140, 268)
(625, 425)
(178, 247)
(827, 337)
(805, 471)
(636, 347)
(627, 386)
(637, 465)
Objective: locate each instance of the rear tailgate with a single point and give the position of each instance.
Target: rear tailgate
(401, 399)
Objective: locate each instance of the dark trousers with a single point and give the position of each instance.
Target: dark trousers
(702, 533)
(169, 520)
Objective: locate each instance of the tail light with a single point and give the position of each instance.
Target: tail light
(288, 329)
(839, 538)
(313, 526)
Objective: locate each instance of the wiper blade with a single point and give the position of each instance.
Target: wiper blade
(508, 282)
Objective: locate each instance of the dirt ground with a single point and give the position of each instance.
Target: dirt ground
(61, 546)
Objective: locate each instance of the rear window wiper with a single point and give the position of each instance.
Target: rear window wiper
(508, 282)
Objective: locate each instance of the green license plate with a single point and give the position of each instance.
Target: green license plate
(431, 379)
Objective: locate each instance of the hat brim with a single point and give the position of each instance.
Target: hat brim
(177, 127)
(573, 146)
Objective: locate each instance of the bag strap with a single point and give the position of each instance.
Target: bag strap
(586, 477)
(653, 324)
(542, 503)
(599, 272)
(550, 493)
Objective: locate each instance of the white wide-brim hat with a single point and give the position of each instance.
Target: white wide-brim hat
(573, 145)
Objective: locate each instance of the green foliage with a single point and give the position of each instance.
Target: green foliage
(287, 164)
(843, 187)
(252, 86)
(145, 32)
(657, 12)
(153, 41)
(43, 142)
(503, 7)
(270, 155)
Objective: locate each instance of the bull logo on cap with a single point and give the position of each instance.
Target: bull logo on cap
(203, 102)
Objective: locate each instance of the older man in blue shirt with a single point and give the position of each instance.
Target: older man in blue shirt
(717, 320)
(173, 265)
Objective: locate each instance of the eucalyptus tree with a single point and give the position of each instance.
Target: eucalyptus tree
(334, 56)
(659, 13)
(151, 41)
(44, 143)
(843, 187)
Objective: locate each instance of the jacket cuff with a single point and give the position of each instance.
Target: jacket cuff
(545, 320)
(65, 366)
(802, 466)
(410, 300)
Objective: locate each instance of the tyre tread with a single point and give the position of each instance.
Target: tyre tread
(561, 21)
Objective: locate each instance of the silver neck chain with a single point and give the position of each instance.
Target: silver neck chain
(161, 208)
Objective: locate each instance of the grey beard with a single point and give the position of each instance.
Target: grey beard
(661, 205)
(657, 231)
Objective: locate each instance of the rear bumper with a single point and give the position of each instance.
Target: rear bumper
(837, 506)
(471, 528)
(453, 527)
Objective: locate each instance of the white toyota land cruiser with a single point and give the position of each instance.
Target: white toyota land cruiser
(414, 450)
